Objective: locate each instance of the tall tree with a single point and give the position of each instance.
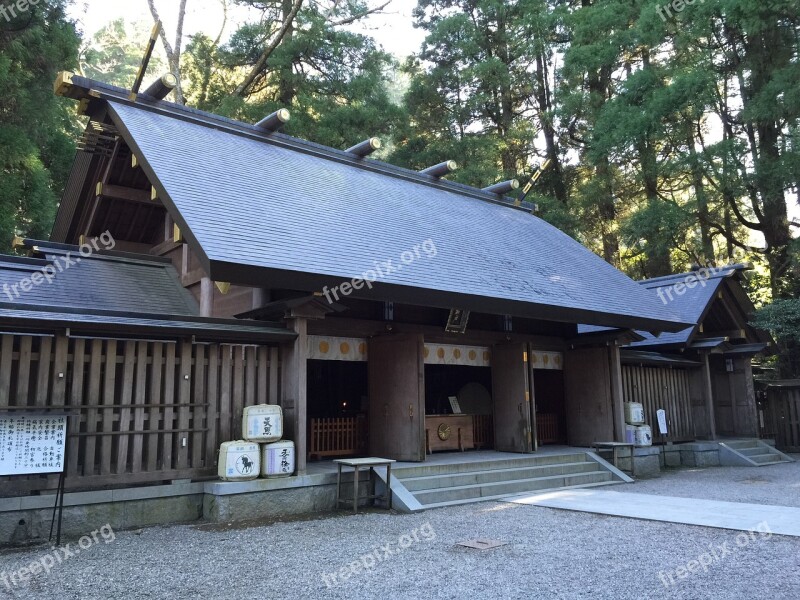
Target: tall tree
(304, 58)
(486, 66)
(35, 126)
(174, 50)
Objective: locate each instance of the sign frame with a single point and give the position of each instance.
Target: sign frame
(42, 411)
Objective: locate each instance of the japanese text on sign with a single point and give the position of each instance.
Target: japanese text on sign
(31, 444)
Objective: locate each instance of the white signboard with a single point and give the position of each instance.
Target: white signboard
(661, 414)
(31, 444)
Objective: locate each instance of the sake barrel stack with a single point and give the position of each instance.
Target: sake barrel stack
(239, 461)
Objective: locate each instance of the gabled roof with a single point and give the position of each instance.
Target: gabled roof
(112, 294)
(692, 296)
(114, 282)
(261, 207)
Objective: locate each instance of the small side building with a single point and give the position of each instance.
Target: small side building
(702, 376)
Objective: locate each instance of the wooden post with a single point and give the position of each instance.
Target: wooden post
(206, 297)
(617, 393)
(294, 376)
(708, 394)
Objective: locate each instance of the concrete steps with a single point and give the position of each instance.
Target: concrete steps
(437, 485)
(750, 453)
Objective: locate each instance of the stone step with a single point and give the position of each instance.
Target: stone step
(751, 451)
(519, 486)
(740, 445)
(765, 458)
(428, 482)
(504, 496)
(523, 460)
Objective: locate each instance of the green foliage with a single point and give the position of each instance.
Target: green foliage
(334, 81)
(35, 146)
(782, 318)
(114, 53)
(470, 97)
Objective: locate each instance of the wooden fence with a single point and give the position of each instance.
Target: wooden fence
(483, 431)
(783, 417)
(657, 388)
(343, 436)
(548, 430)
(144, 411)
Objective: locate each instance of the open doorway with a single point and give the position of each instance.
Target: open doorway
(337, 408)
(458, 407)
(551, 416)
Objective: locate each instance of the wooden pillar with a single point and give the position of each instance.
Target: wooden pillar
(708, 394)
(617, 392)
(294, 375)
(206, 297)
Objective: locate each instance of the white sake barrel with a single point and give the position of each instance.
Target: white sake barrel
(634, 413)
(277, 459)
(644, 436)
(262, 423)
(239, 461)
(630, 434)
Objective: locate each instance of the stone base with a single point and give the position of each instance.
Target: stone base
(646, 460)
(670, 456)
(276, 503)
(700, 454)
(27, 519)
(30, 526)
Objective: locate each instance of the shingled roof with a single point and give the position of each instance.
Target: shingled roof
(692, 295)
(263, 208)
(99, 281)
(110, 293)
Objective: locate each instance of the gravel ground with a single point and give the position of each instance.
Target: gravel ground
(549, 554)
(776, 484)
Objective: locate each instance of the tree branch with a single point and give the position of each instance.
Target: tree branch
(361, 15)
(262, 60)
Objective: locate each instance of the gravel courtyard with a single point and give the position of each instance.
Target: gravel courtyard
(548, 554)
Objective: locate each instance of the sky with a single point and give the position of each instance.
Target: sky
(393, 30)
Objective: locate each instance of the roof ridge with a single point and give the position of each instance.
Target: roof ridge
(713, 272)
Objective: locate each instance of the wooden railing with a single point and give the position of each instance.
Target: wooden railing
(342, 436)
(548, 430)
(143, 411)
(483, 431)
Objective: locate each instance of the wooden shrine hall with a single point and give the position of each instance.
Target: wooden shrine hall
(389, 312)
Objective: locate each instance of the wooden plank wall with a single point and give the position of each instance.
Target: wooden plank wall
(784, 411)
(657, 388)
(145, 411)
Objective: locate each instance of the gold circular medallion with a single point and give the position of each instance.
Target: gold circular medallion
(443, 431)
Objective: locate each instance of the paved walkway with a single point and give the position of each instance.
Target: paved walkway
(781, 520)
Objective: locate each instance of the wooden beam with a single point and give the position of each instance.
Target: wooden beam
(162, 87)
(88, 220)
(365, 148)
(708, 396)
(118, 192)
(274, 121)
(148, 53)
(731, 334)
(441, 169)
